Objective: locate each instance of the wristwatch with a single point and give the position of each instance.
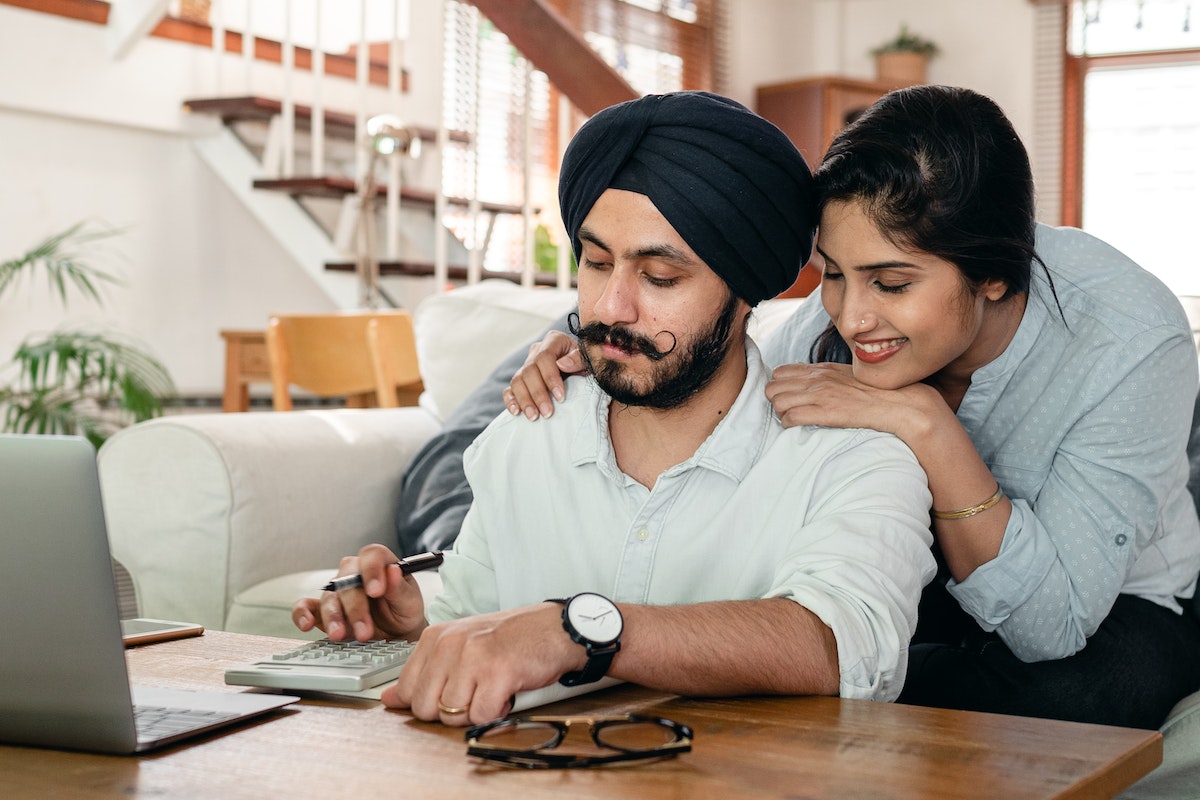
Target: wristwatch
(595, 622)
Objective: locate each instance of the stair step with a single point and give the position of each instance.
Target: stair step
(233, 110)
(420, 269)
(338, 124)
(337, 186)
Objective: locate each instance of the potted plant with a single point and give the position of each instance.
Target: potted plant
(902, 60)
(76, 381)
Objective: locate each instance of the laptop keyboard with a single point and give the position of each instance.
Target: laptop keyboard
(325, 665)
(157, 722)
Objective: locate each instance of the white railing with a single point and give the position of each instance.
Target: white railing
(297, 24)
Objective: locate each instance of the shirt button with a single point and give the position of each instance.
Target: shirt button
(643, 534)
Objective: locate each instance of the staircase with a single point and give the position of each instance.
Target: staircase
(416, 244)
(250, 118)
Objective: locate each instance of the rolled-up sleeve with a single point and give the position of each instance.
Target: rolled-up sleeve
(862, 558)
(1113, 483)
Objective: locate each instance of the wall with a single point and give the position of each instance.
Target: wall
(987, 45)
(769, 42)
(84, 137)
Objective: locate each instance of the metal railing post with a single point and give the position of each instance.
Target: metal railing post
(287, 59)
(217, 22)
(565, 254)
(475, 255)
(317, 124)
(441, 269)
(361, 74)
(395, 87)
(527, 240)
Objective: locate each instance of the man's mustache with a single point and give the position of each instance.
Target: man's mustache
(598, 333)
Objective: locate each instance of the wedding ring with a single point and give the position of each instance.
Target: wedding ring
(451, 711)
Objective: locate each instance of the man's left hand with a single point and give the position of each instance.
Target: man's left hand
(466, 671)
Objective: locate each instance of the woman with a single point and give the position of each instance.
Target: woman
(1045, 383)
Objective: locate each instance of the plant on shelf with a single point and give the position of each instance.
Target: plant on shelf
(902, 60)
(907, 42)
(69, 381)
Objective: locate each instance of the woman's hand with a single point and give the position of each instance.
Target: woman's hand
(540, 378)
(829, 395)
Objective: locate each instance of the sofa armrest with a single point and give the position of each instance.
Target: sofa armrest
(201, 507)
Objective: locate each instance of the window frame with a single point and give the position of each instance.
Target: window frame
(1074, 103)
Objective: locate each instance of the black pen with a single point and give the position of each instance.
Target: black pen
(407, 565)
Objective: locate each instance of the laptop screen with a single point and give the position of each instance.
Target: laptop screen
(66, 685)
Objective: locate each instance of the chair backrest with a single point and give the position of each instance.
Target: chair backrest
(331, 355)
(393, 348)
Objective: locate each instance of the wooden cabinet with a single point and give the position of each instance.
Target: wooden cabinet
(812, 111)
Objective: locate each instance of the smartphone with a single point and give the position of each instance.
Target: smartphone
(144, 631)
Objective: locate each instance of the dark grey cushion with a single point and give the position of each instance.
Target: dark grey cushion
(435, 495)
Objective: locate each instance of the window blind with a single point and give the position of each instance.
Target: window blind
(492, 92)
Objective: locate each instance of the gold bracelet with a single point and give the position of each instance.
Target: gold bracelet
(973, 510)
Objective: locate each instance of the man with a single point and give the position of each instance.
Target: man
(662, 528)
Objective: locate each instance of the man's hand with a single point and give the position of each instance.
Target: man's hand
(389, 605)
(541, 377)
(466, 671)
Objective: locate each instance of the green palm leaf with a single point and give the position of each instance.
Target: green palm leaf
(84, 382)
(58, 257)
(75, 381)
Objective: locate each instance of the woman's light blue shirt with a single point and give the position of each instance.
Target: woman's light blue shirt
(1084, 423)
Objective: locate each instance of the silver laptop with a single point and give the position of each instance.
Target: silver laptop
(63, 679)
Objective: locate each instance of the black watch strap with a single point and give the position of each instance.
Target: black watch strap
(600, 656)
(597, 665)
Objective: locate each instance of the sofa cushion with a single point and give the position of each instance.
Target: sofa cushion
(769, 315)
(462, 335)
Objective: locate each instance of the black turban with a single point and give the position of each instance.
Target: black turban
(730, 183)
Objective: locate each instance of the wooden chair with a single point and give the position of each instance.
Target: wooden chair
(368, 357)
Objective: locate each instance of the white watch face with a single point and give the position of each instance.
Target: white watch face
(595, 618)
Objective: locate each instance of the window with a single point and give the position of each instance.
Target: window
(1138, 73)
(491, 93)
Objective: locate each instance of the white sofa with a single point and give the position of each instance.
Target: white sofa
(225, 519)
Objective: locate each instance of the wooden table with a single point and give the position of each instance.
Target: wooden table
(245, 363)
(754, 747)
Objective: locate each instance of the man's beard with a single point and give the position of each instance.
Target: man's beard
(673, 381)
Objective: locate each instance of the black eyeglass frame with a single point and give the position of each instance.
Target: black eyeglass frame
(537, 758)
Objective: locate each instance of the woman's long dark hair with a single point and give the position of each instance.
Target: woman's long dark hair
(940, 170)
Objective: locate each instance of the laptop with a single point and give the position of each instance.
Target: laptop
(63, 678)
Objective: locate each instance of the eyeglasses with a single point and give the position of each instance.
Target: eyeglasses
(526, 741)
